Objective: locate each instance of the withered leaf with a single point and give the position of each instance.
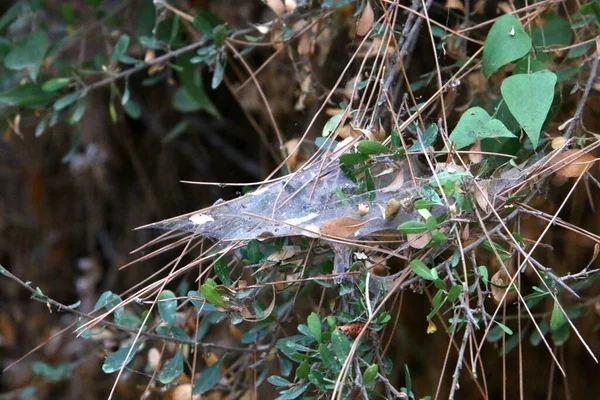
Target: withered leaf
(342, 227)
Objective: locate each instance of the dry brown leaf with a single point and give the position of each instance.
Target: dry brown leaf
(576, 165)
(466, 233)
(476, 157)
(211, 359)
(304, 44)
(482, 197)
(501, 278)
(342, 227)
(283, 254)
(352, 329)
(153, 358)
(455, 4)
(365, 21)
(391, 208)
(277, 6)
(181, 392)
(290, 5)
(293, 150)
(418, 240)
(363, 209)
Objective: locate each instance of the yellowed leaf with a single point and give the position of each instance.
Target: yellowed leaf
(431, 328)
(211, 359)
(391, 208)
(293, 150)
(342, 227)
(365, 21)
(181, 392)
(558, 142)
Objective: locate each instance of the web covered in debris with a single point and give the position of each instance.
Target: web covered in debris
(302, 203)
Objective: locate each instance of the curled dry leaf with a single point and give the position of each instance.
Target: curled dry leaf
(352, 329)
(277, 6)
(211, 359)
(391, 208)
(181, 392)
(153, 358)
(363, 209)
(283, 254)
(502, 279)
(365, 21)
(293, 150)
(482, 197)
(342, 227)
(290, 5)
(475, 156)
(576, 165)
(418, 240)
(431, 328)
(455, 4)
(304, 44)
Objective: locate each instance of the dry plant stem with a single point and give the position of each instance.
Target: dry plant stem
(454, 387)
(582, 102)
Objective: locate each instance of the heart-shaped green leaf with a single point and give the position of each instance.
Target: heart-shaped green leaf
(529, 97)
(476, 123)
(506, 42)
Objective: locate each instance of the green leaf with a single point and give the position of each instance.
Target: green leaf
(276, 380)
(132, 109)
(120, 49)
(212, 296)
(331, 124)
(423, 204)
(27, 95)
(407, 379)
(116, 360)
(293, 393)
(218, 73)
(222, 270)
(51, 373)
(483, 271)
(505, 43)
(42, 125)
(555, 32)
(66, 101)
(421, 270)
(370, 374)
(353, 158)
(341, 345)
(11, 14)
(557, 319)
(29, 53)
(528, 65)
(529, 98)
(167, 306)
(412, 227)
(314, 325)
(328, 358)
(369, 147)
(454, 292)
(55, 84)
(428, 137)
(591, 8)
(505, 328)
(208, 379)
(172, 369)
(476, 123)
(303, 370)
(579, 50)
